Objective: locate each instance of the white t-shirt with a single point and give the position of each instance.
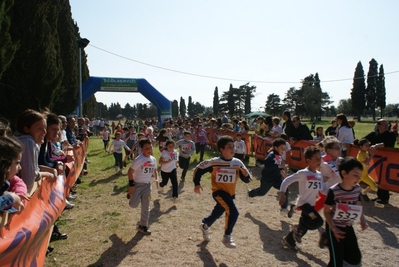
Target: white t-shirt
(329, 170)
(310, 183)
(143, 168)
(240, 147)
(166, 155)
(117, 146)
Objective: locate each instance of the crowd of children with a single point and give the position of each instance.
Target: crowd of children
(329, 183)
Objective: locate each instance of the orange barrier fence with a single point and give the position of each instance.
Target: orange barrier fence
(24, 239)
(214, 134)
(384, 167)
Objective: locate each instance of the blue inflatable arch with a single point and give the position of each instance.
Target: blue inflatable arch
(106, 84)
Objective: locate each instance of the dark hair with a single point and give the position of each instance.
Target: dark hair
(284, 136)
(140, 134)
(310, 151)
(52, 119)
(5, 127)
(347, 164)
(9, 151)
(169, 142)
(278, 142)
(287, 113)
(223, 141)
(27, 118)
(144, 141)
(161, 133)
(360, 142)
(341, 116)
(187, 132)
(239, 134)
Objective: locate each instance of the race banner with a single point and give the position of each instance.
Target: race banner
(24, 236)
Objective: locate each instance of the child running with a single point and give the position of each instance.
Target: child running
(310, 182)
(272, 174)
(224, 173)
(342, 207)
(140, 172)
(117, 145)
(364, 156)
(168, 167)
(186, 148)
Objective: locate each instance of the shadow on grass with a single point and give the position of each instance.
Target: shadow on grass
(106, 180)
(119, 250)
(207, 257)
(272, 241)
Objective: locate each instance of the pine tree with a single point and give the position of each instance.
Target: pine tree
(380, 92)
(371, 88)
(358, 93)
(190, 108)
(175, 109)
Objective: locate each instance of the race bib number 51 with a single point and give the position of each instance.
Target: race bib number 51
(344, 212)
(226, 176)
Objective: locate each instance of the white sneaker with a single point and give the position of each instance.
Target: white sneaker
(116, 168)
(175, 200)
(284, 211)
(228, 241)
(205, 233)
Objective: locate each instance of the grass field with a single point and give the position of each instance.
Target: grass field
(102, 226)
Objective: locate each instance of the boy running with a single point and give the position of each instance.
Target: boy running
(342, 207)
(187, 148)
(140, 172)
(224, 173)
(310, 182)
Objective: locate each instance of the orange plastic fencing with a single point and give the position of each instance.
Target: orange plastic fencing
(214, 134)
(24, 240)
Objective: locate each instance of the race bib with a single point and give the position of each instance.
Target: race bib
(118, 149)
(173, 155)
(313, 183)
(185, 149)
(147, 170)
(227, 176)
(345, 212)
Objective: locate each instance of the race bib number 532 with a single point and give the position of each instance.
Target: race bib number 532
(226, 176)
(344, 212)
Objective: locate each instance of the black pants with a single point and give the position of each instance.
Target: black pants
(173, 179)
(184, 163)
(383, 194)
(310, 220)
(239, 156)
(200, 148)
(346, 249)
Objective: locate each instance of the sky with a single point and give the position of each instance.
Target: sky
(187, 48)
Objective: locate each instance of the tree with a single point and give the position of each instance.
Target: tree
(345, 106)
(215, 102)
(236, 101)
(249, 94)
(8, 47)
(190, 109)
(358, 93)
(273, 105)
(175, 109)
(290, 101)
(182, 108)
(380, 91)
(371, 89)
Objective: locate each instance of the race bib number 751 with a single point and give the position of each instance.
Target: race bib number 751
(226, 176)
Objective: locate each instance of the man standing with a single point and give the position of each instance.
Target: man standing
(301, 131)
(383, 137)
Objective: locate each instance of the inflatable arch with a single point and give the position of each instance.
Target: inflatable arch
(106, 84)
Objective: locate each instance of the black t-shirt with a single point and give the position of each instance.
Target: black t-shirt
(387, 137)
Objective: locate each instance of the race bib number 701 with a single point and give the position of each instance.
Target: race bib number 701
(226, 176)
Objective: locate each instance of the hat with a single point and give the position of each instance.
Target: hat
(260, 117)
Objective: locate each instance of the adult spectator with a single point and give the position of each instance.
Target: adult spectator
(70, 131)
(261, 127)
(344, 132)
(332, 130)
(383, 137)
(288, 126)
(301, 131)
(224, 118)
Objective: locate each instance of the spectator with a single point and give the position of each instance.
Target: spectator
(301, 131)
(288, 125)
(344, 132)
(319, 136)
(332, 130)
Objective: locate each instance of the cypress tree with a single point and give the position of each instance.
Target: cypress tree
(380, 92)
(7, 46)
(358, 94)
(215, 102)
(371, 88)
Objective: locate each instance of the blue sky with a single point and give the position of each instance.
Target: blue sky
(271, 44)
